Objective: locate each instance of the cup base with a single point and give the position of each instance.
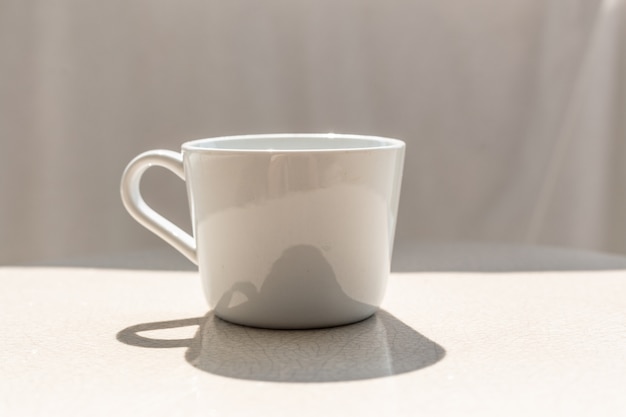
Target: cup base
(297, 324)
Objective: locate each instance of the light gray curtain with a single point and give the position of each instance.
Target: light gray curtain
(513, 111)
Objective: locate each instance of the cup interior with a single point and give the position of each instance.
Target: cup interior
(293, 142)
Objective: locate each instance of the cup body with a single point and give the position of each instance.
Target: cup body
(294, 231)
(290, 231)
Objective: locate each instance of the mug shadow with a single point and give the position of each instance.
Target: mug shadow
(380, 346)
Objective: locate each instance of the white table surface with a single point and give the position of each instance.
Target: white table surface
(535, 332)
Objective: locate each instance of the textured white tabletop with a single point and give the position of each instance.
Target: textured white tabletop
(113, 342)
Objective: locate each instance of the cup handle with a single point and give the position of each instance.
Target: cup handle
(144, 214)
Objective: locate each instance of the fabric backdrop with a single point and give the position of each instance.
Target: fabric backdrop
(513, 111)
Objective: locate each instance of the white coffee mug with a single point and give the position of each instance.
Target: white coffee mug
(290, 231)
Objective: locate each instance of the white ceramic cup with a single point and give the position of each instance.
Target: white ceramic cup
(290, 231)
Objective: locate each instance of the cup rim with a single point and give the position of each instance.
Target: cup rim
(377, 143)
